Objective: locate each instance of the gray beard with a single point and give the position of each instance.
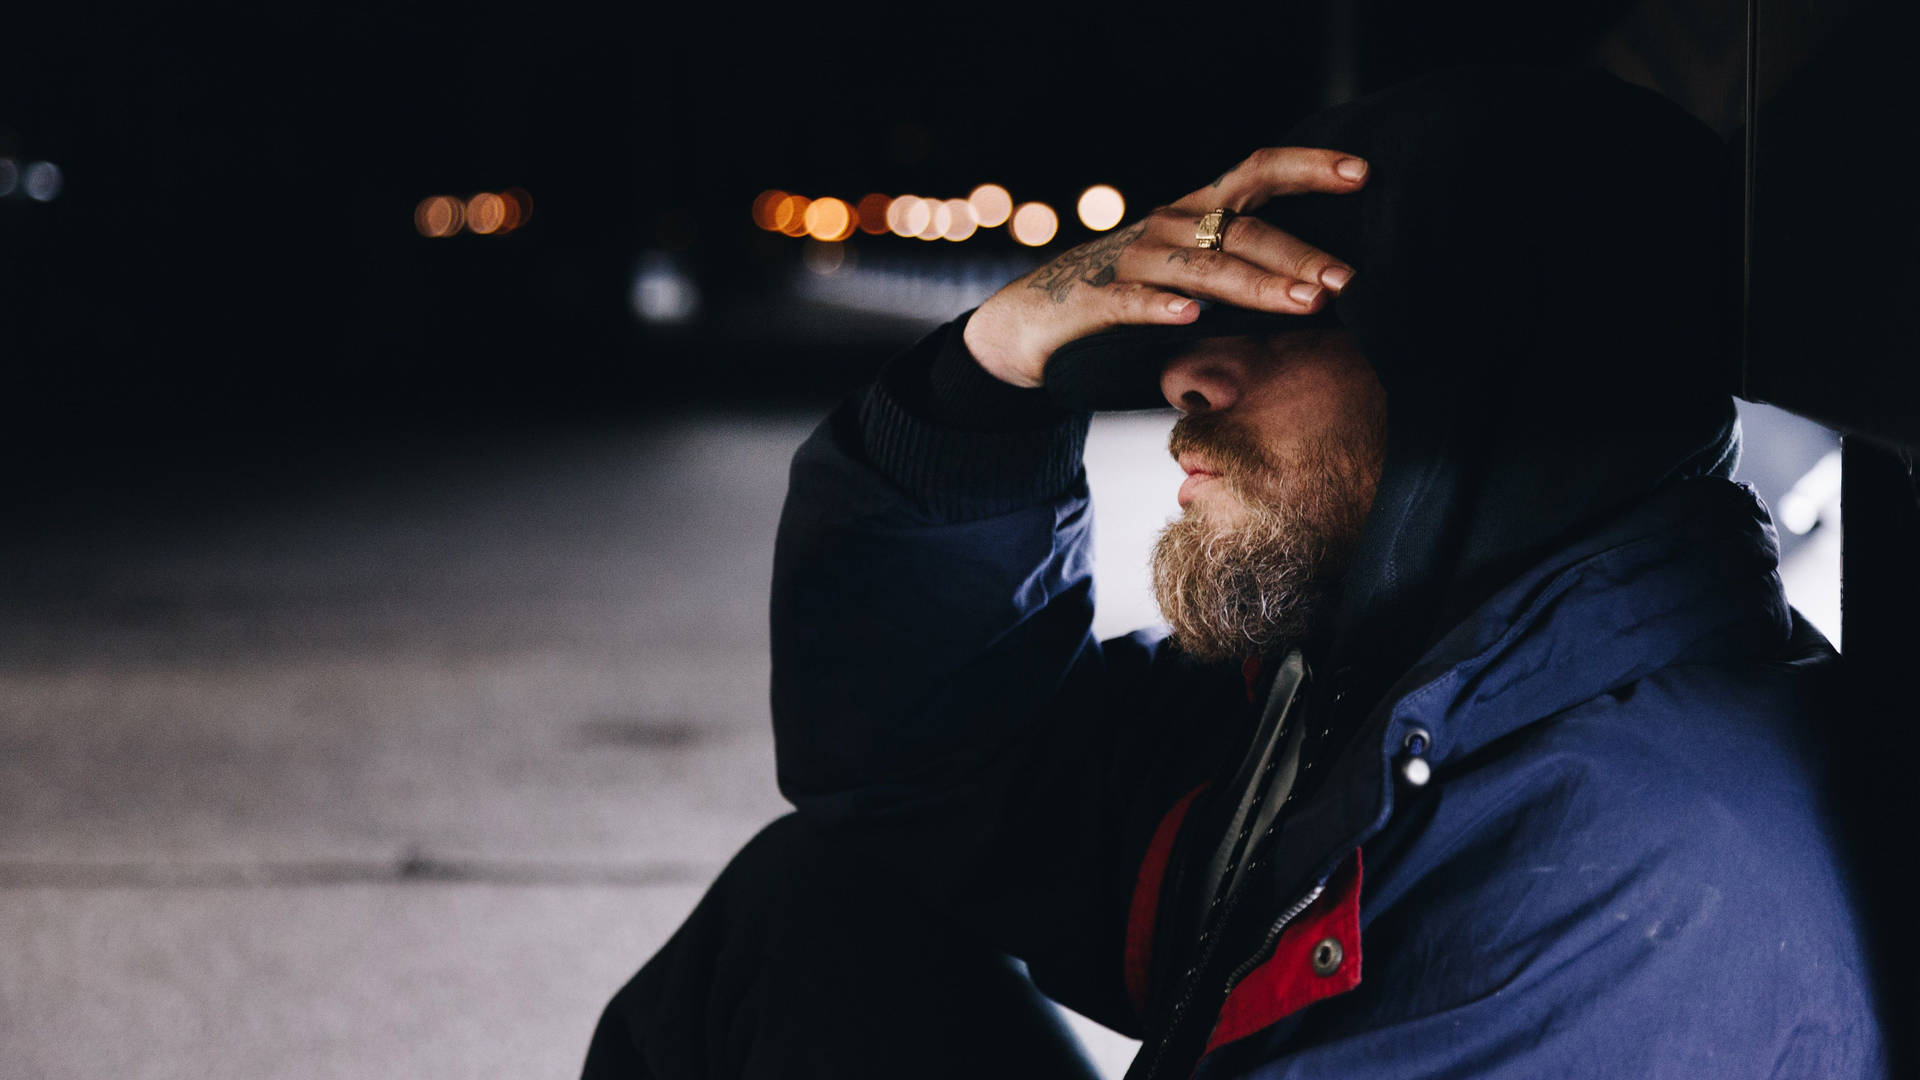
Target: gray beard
(1270, 580)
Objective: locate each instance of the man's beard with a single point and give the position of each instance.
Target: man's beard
(1269, 579)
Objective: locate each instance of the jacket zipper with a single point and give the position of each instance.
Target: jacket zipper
(1209, 941)
(1273, 934)
(1191, 984)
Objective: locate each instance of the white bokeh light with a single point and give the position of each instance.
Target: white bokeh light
(991, 205)
(663, 293)
(1035, 223)
(42, 181)
(1101, 207)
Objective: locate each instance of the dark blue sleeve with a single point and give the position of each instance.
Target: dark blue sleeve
(936, 685)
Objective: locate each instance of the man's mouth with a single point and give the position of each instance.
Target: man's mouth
(1191, 463)
(1198, 473)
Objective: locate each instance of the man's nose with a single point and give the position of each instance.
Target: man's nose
(1198, 382)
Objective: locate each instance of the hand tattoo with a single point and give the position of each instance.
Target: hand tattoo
(1091, 263)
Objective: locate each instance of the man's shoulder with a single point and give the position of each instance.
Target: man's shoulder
(1689, 748)
(1662, 838)
(1697, 783)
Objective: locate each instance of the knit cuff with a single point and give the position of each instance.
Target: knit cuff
(964, 443)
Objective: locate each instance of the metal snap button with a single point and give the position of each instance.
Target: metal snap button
(1413, 766)
(1327, 956)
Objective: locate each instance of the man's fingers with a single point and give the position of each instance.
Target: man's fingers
(1134, 303)
(1279, 170)
(1215, 275)
(1253, 241)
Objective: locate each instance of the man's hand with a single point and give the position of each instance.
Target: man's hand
(1150, 271)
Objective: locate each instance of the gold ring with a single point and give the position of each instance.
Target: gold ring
(1212, 231)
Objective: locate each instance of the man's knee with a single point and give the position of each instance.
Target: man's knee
(812, 956)
(793, 894)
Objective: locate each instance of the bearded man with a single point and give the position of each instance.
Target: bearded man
(1479, 669)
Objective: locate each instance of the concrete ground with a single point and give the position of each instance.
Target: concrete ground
(400, 763)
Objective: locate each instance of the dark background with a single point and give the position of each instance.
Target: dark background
(233, 249)
(235, 233)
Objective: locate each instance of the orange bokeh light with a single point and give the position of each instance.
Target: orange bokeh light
(790, 216)
(874, 212)
(486, 212)
(519, 207)
(439, 216)
(764, 207)
(829, 220)
(1035, 223)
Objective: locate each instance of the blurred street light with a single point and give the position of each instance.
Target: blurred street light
(663, 293)
(439, 216)
(875, 213)
(991, 205)
(1035, 224)
(1101, 207)
(42, 181)
(960, 223)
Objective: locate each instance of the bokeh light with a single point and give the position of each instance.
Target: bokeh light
(790, 216)
(41, 180)
(827, 259)
(1101, 207)
(765, 205)
(829, 220)
(1035, 223)
(960, 223)
(519, 207)
(663, 292)
(439, 216)
(873, 213)
(9, 176)
(939, 220)
(897, 211)
(991, 205)
(915, 219)
(486, 212)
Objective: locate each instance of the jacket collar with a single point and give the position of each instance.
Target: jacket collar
(1687, 575)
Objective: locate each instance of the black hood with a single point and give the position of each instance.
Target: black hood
(1543, 284)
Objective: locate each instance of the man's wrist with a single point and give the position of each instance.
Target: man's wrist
(989, 350)
(946, 385)
(966, 444)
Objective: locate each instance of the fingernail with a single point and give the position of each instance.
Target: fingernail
(1352, 168)
(1179, 306)
(1336, 277)
(1304, 292)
